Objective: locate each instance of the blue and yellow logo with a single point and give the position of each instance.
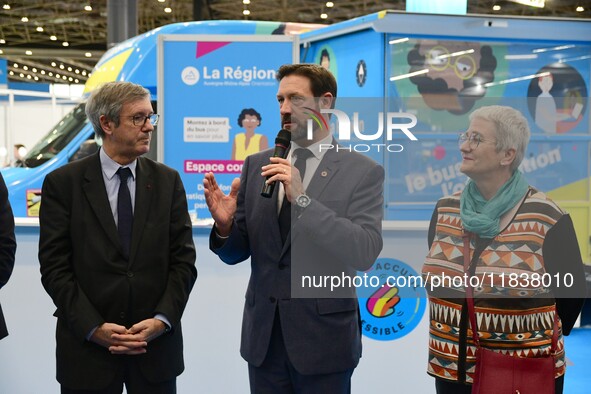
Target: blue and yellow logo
(396, 307)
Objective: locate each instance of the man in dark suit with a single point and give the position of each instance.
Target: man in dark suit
(297, 341)
(7, 246)
(117, 255)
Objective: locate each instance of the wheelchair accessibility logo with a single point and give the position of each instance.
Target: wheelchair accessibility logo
(395, 307)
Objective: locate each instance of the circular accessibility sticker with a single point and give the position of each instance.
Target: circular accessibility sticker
(393, 305)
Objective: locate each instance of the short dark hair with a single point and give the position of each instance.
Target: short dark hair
(251, 112)
(321, 80)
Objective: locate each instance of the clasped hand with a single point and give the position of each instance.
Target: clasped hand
(121, 340)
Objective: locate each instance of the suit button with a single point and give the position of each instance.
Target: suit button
(272, 299)
(130, 274)
(122, 315)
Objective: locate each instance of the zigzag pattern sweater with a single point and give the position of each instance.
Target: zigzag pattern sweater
(521, 277)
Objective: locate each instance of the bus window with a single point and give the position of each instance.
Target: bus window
(58, 138)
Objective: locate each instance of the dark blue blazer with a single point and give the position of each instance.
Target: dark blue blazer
(7, 246)
(84, 269)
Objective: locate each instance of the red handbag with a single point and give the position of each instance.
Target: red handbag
(498, 373)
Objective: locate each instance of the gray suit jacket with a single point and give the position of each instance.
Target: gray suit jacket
(84, 270)
(340, 231)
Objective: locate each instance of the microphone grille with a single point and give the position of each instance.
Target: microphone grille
(283, 137)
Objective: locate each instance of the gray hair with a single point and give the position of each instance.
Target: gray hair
(512, 129)
(108, 100)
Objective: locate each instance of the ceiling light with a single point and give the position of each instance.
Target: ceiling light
(28, 52)
(531, 3)
(56, 75)
(2, 41)
(50, 74)
(39, 29)
(84, 72)
(496, 7)
(65, 43)
(161, 1)
(36, 78)
(25, 68)
(24, 19)
(64, 77)
(29, 76)
(76, 81)
(43, 72)
(53, 64)
(11, 72)
(6, 6)
(62, 66)
(1, 51)
(246, 12)
(168, 10)
(15, 65)
(329, 4)
(323, 16)
(52, 38)
(580, 9)
(69, 68)
(21, 75)
(88, 54)
(70, 79)
(87, 8)
(34, 70)
(246, 2)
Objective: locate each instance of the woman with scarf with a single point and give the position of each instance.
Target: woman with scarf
(525, 264)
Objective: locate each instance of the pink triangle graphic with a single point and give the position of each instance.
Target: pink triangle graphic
(203, 48)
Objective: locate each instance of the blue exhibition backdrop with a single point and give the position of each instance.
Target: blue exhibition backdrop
(207, 82)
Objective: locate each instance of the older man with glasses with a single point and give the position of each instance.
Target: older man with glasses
(117, 255)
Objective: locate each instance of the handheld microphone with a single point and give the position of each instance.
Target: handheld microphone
(281, 144)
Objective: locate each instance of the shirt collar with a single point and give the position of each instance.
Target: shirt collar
(110, 166)
(315, 147)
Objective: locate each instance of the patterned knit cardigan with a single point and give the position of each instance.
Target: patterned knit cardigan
(514, 302)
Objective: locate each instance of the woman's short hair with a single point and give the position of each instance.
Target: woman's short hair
(512, 129)
(108, 100)
(251, 112)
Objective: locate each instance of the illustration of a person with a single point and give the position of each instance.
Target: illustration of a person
(546, 105)
(248, 143)
(325, 59)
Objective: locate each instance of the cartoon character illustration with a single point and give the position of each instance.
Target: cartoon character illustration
(557, 99)
(451, 75)
(325, 59)
(545, 105)
(249, 142)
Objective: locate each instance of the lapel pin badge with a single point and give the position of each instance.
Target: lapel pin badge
(324, 174)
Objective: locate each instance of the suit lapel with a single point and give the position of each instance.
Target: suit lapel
(96, 194)
(326, 171)
(144, 189)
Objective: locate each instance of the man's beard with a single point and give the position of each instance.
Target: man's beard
(299, 131)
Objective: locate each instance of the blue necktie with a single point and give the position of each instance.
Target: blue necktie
(302, 156)
(124, 210)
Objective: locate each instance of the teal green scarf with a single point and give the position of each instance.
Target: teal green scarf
(481, 216)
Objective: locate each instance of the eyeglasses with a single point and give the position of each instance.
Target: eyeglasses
(140, 120)
(473, 140)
